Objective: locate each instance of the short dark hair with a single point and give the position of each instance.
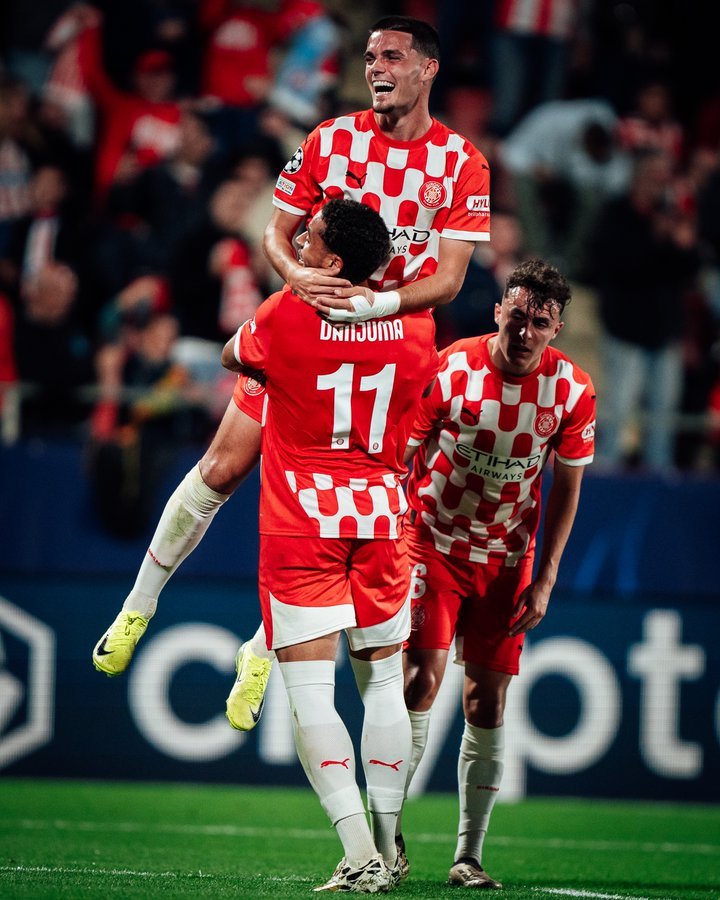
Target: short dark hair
(358, 235)
(425, 38)
(544, 283)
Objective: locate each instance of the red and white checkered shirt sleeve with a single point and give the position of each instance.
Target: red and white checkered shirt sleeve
(468, 218)
(296, 189)
(575, 443)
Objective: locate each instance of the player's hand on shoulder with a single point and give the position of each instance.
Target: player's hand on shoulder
(309, 284)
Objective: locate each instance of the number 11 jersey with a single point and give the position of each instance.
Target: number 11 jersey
(342, 399)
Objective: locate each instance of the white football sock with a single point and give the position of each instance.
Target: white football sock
(258, 644)
(183, 523)
(386, 744)
(326, 753)
(480, 769)
(419, 725)
(355, 837)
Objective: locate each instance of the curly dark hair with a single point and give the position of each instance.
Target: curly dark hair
(544, 283)
(425, 38)
(359, 237)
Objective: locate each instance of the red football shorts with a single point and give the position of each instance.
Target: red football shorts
(249, 396)
(311, 586)
(474, 599)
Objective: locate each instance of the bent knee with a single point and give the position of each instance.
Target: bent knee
(421, 689)
(222, 471)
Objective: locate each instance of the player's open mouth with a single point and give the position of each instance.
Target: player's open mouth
(383, 87)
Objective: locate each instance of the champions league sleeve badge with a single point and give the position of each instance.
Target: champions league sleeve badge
(295, 163)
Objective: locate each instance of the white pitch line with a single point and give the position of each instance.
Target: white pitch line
(89, 870)
(236, 831)
(596, 895)
(130, 873)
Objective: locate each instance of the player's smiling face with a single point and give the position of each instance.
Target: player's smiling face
(524, 331)
(396, 73)
(312, 249)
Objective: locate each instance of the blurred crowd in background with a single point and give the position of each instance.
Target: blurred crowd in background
(139, 145)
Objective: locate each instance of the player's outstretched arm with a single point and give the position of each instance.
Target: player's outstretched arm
(306, 282)
(560, 513)
(357, 304)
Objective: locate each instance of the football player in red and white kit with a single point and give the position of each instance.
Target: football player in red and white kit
(502, 405)
(432, 188)
(341, 402)
(430, 185)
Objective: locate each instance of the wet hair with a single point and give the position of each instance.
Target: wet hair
(543, 282)
(358, 235)
(425, 38)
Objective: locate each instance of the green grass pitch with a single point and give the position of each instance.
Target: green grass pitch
(76, 840)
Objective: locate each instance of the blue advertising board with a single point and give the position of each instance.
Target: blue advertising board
(634, 534)
(615, 699)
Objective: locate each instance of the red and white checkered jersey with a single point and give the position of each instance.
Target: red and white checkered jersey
(341, 402)
(485, 437)
(433, 187)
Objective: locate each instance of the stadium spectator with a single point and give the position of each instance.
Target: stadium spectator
(242, 42)
(65, 97)
(15, 166)
(650, 123)
(474, 512)
(241, 36)
(136, 128)
(145, 410)
(160, 203)
(305, 85)
(563, 160)
(211, 270)
(643, 257)
(139, 299)
(53, 354)
(530, 55)
(55, 229)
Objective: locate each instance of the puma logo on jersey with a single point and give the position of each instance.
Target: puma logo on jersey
(358, 179)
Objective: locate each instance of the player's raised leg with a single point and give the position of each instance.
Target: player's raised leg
(245, 702)
(233, 453)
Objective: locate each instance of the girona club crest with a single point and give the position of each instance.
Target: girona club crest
(545, 424)
(432, 194)
(252, 387)
(417, 617)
